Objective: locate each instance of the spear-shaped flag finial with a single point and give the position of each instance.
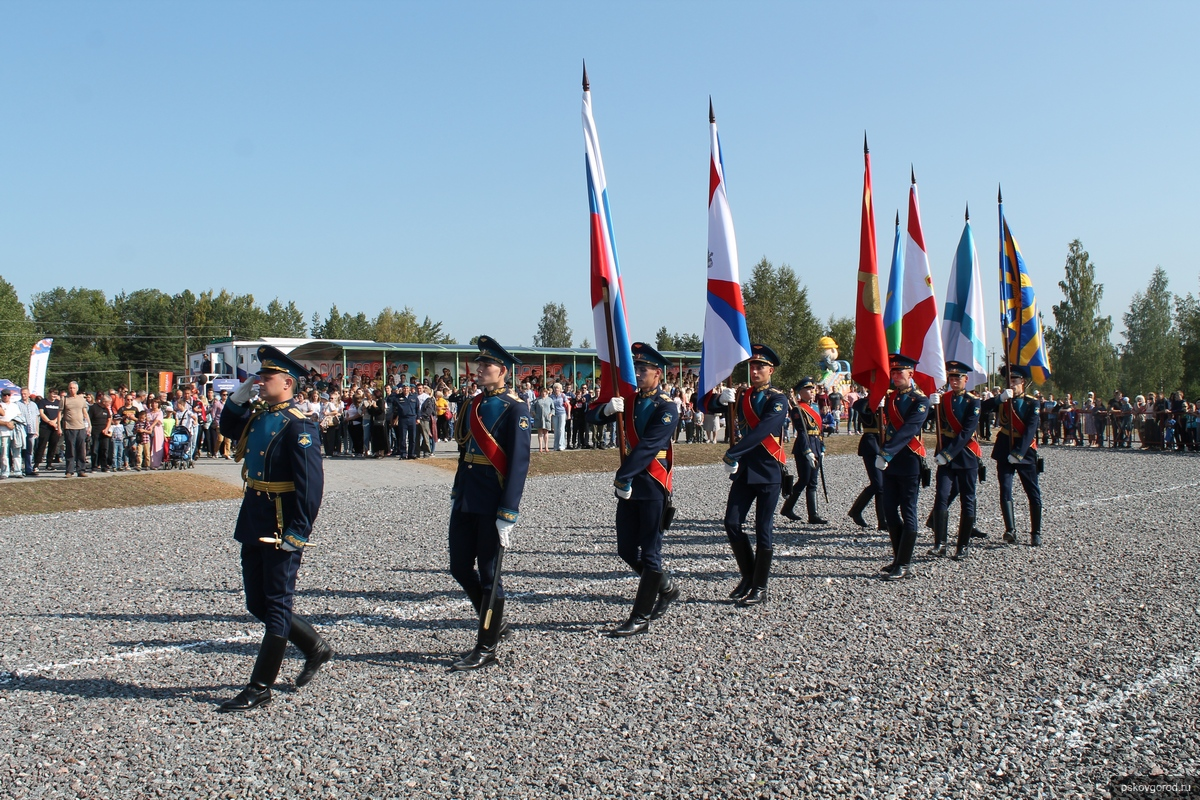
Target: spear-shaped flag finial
(865, 150)
(999, 196)
(586, 85)
(913, 173)
(712, 118)
(967, 213)
(897, 218)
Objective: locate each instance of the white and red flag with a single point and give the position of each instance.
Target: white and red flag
(726, 339)
(608, 294)
(921, 330)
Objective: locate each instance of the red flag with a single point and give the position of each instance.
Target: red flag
(870, 367)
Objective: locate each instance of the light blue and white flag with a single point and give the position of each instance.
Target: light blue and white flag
(963, 334)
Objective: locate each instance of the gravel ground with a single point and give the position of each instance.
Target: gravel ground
(1022, 673)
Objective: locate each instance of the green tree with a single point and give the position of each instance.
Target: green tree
(1187, 322)
(1151, 358)
(553, 330)
(284, 321)
(19, 336)
(1080, 342)
(83, 325)
(663, 340)
(778, 314)
(841, 330)
(149, 338)
(676, 341)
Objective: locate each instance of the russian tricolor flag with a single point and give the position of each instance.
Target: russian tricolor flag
(608, 295)
(726, 340)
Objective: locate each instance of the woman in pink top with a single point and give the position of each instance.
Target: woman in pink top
(154, 417)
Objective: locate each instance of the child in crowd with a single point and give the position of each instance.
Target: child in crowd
(143, 442)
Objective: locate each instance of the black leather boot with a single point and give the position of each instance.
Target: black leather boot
(1010, 521)
(484, 652)
(762, 571)
(860, 505)
(966, 527)
(814, 518)
(789, 505)
(745, 561)
(1035, 525)
(880, 518)
(894, 535)
(316, 650)
(908, 543)
(941, 522)
(476, 597)
(266, 670)
(643, 605)
(668, 592)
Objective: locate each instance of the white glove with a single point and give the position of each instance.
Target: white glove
(1012, 458)
(614, 406)
(623, 492)
(243, 393)
(882, 401)
(941, 459)
(935, 398)
(504, 527)
(1006, 395)
(880, 463)
(727, 396)
(730, 469)
(812, 459)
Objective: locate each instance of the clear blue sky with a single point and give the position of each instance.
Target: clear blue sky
(431, 154)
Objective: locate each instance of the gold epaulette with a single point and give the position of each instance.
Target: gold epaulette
(297, 413)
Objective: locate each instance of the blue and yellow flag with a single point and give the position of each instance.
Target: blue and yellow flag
(1024, 345)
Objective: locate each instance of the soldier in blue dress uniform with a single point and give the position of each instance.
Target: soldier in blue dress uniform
(809, 450)
(869, 448)
(284, 477)
(1015, 451)
(492, 430)
(643, 484)
(957, 458)
(755, 462)
(903, 414)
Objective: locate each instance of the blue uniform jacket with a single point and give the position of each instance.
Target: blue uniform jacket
(755, 464)
(868, 445)
(655, 418)
(406, 407)
(279, 445)
(1007, 441)
(965, 408)
(913, 407)
(478, 487)
(808, 434)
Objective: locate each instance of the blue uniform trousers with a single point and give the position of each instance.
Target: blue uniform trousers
(962, 481)
(269, 576)
(639, 538)
(1029, 479)
(900, 501)
(874, 474)
(764, 496)
(406, 433)
(474, 541)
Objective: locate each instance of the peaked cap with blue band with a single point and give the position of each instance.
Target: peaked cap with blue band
(491, 350)
(806, 382)
(957, 368)
(898, 361)
(764, 354)
(645, 354)
(272, 359)
(1013, 370)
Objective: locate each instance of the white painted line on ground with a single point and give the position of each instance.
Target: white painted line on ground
(125, 655)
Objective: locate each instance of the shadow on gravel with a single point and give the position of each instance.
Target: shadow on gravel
(166, 618)
(103, 687)
(399, 657)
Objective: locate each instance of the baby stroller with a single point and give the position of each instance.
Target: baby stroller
(181, 449)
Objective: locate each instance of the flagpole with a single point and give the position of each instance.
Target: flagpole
(612, 350)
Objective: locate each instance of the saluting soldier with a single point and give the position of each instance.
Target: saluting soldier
(285, 480)
(643, 484)
(903, 414)
(809, 451)
(755, 461)
(1015, 451)
(869, 448)
(957, 457)
(492, 431)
